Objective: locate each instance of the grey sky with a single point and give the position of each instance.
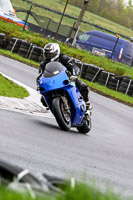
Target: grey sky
(126, 1)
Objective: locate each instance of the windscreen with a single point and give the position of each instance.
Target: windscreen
(52, 69)
(83, 37)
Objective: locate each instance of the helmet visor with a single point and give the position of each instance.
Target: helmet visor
(48, 55)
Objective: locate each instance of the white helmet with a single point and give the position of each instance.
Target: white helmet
(51, 51)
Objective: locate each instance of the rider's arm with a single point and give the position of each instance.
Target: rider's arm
(74, 69)
(42, 67)
(69, 64)
(41, 70)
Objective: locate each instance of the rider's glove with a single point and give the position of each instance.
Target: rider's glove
(68, 73)
(73, 78)
(70, 68)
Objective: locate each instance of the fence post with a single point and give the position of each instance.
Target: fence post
(61, 18)
(77, 25)
(47, 26)
(27, 16)
(71, 30)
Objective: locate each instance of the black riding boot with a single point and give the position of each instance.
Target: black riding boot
(43, 101)
(84, 90)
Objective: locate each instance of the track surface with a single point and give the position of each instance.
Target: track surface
(36, 142)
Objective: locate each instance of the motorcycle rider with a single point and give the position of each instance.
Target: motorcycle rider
(52, 53)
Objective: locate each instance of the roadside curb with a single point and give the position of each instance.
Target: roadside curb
(30, 104)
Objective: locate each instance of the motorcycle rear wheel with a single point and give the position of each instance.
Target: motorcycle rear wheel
(63, 117)
(85, 128)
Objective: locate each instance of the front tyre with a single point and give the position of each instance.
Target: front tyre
(62, 115)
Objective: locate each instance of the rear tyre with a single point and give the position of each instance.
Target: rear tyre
(63, 116)
(86, 127)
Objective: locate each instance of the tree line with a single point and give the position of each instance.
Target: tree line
(114, 10)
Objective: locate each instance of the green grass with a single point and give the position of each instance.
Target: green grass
(119, 69)
(7, 194)
(84, 192)
(120, 97)
(10, 89)
(108, 65)
(81, 191)
(93, 86)
(19, 58)
(71, 10)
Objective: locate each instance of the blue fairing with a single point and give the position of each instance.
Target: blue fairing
(53, 83)
(58, 83)
(77, 104)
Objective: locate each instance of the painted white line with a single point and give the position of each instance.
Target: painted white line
(45, 115)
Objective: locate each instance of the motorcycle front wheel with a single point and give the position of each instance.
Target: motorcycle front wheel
(63, 116)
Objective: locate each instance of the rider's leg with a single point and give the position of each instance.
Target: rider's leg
(43, 101)
(84, 90)
(37, 81)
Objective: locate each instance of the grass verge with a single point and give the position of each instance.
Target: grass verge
(95, 87)
(19, 58)
(81, 191)
(71, 10)
(10, 89)
(119, 69)
(112, 94)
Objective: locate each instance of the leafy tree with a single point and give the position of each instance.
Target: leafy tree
(77, 3)
(62, 1)
(93, 6)
(130, 3)
(113, 10)
(120, 6)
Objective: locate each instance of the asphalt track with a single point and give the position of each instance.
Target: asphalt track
(35, 141)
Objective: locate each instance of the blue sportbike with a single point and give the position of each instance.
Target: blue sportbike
(64, 99)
